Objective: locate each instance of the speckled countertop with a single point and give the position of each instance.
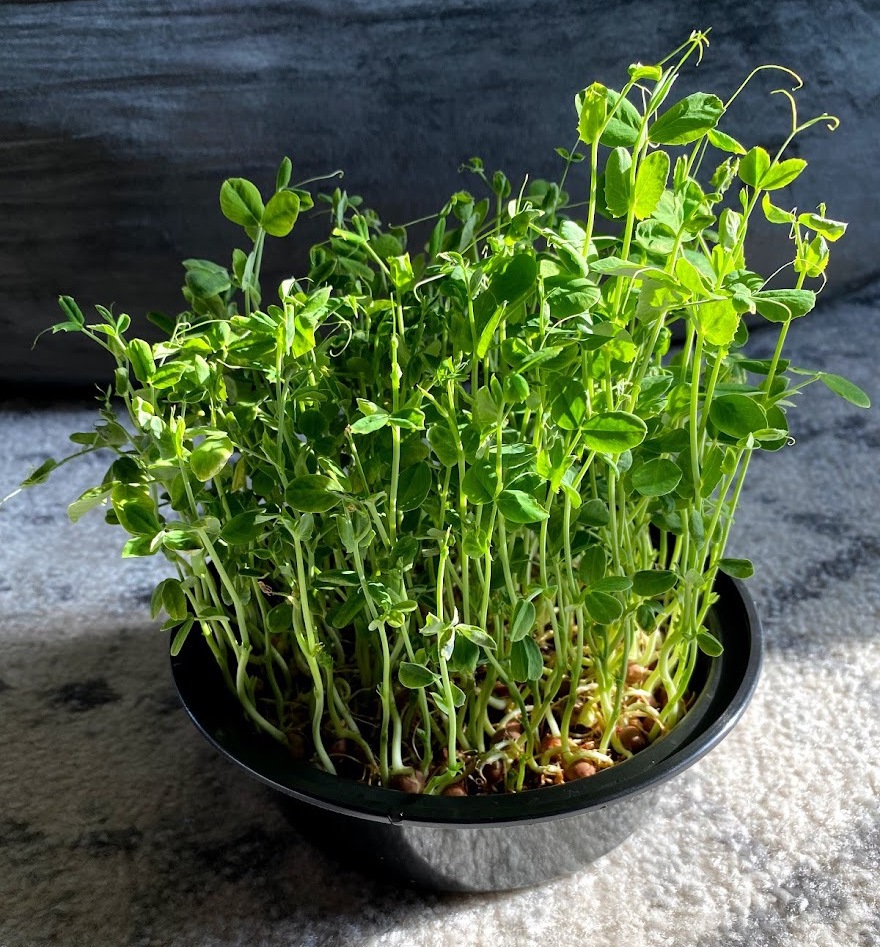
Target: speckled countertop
(119, 825)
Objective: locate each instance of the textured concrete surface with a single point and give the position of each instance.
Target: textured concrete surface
(119, 826)
(120, 118)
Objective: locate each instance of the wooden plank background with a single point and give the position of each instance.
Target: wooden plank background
(120, 118)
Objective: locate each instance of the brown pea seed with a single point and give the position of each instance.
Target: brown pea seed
(632, 738)
(579, 769)
(408, 782)
(456, 789)
(551, 743)
(297, 745)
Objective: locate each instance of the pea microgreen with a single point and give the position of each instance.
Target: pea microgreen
(440, 503)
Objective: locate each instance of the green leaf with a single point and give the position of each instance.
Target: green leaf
(592, 105)
(71, 310)
(718, 320)
(241, 203)
(140, 355)
(603, 607)
(480, 483)
(166, 323)
(687, 120)
(138, 547)
(617, 184)
(646, 618)
(574, 156)
(572, 298)
(121, 383)
(446, 641)
(443, 444)
(709, 644)
(812, 256)
(782, 173)
(639, 71)
(753, 166)
(458, 698)
(312, 423)
(738, 568)
(592, 565)
(174, 600)
(370, 423)
(135, 509)
(167, 375)
(89, 500)
(622, 128)
(476, 543)
(650, 183)
(346, 612)
(137, 518)
(279, 618)
(737, 415)
(487, 410)
(615, 266)
(285, 169)
(517, 278)
(465, 656)
(41, 474)
(156, 602)
(526, 660)
(245, 527)
(413, 488)
(516, 389)
(517, 506)
(689, 276)
(312, 493)
(846, 389)
(206, 279)
(651, 582)
(569, 405)
(210, 457)
(523, 620)
(487, 332)
(410, 419)
(300, 323)
(612, 583)
(181, 636)
(415, 676)
(780, 305)
(614, 432)
(477, 636)
(280, 214)
(774, 214)
(341, 578)
(831, 230)
(657, 477)
(724, 142)
(181, 540)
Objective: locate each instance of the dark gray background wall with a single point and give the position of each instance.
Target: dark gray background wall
(120, 118)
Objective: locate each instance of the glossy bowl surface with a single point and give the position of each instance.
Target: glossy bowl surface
(484, 843)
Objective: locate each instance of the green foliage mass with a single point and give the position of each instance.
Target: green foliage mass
(447, 505)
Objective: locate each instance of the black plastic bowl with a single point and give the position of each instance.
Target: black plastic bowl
(484, 843)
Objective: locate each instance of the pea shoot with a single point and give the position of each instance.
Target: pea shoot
(450, 520)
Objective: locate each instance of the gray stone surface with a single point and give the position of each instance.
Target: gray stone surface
(120, 118)
(119, 826)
